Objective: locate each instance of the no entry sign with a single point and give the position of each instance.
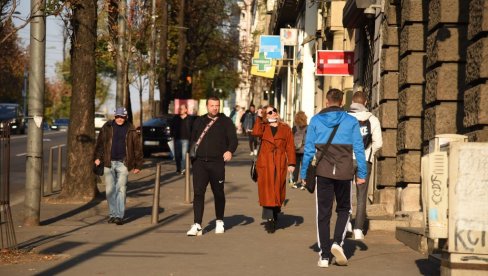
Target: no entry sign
(334, 63)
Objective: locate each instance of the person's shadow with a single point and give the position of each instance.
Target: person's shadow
(285, 221)
(349, 246)
(230, 222)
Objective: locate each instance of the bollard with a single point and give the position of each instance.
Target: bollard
(155, 207)
(187, 180)
(49, 190)
(60, 167)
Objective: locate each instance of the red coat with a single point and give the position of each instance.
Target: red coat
(275, 155)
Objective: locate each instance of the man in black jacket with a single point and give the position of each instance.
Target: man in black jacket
(181, 128)
(216, 137)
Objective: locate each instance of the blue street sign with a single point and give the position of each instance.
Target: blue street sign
(271, 45)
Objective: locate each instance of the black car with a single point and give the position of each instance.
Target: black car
(156, 133)
(12, 113)
(61, 124)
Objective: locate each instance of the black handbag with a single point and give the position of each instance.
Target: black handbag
(193, 150)
(98, 170)
(254, 169)
(310, 178)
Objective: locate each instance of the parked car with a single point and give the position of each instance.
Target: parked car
(60, 124)
(156, 133)
(13, 114)
(100, 120)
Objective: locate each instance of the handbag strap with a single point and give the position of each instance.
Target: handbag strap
(321, 153)
(212, 121)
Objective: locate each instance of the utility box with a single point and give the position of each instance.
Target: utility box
(434, 173)
(467, 252)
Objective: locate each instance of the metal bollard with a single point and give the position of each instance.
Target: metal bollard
(49, 189)
(60, 166)
(155, 207)
(187, 180)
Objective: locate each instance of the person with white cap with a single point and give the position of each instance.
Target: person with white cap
(119, 150)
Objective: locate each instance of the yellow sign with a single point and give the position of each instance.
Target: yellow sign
(263, 66)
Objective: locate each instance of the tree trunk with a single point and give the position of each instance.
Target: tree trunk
(79, 184)
(163, 58)
(179, 78)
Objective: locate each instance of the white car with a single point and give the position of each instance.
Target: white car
(100, 120)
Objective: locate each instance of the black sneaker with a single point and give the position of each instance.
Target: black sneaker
(111, 220)
(118, 221)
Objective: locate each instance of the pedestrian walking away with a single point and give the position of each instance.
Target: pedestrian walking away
(299, 132)
(216, 140)
(247, 121)
(276, 157)
(181, 127)
(119, 149)
(334, 171)
(371, 132)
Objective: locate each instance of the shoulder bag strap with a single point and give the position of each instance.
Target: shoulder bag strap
(321, 153)
(206, 130)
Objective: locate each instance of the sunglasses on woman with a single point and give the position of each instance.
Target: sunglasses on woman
(272, 111)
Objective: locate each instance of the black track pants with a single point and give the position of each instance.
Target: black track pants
(203, 173)
(326, 189)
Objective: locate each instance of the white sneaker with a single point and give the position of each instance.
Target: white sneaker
(358, 234)
(252, 153)
(349, 227)
(219, 227)
(323, 262)
(256, 152)
(338, 253)
(195, 230)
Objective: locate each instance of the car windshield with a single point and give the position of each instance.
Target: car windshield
(8, 111)
(61, 121)
(155, 122)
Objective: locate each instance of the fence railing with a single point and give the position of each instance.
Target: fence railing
(7, 229)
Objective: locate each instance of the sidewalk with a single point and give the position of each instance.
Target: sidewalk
(84, 244)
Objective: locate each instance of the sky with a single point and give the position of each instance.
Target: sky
(54, 53)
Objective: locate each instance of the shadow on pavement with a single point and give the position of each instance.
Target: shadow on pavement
(426, 268)
(350, 247)
(134, 213)
(285, 221)
(230, 222)
(94, 202)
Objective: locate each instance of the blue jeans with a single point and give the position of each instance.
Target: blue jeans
(181, 148)
(115, 188)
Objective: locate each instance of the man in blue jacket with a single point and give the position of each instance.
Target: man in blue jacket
(334, 172)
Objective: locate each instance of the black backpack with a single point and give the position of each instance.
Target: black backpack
(365, 128)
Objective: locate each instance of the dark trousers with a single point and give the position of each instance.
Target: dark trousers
(298, 166)
(361, 197)
(253, 141)
(203, 173)
(326, 189)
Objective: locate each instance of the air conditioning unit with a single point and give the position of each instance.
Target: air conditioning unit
(435, 192)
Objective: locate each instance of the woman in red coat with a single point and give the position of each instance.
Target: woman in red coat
(276, 157)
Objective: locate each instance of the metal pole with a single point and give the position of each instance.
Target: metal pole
(50, 171)
(187, 180)
(155, 207)
(152, 54)
(120, 94)
(60, 167)
(37, 48)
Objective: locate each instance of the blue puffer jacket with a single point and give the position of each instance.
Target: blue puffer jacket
(337, 163)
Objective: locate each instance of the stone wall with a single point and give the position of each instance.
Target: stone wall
(387, 105)
(411, 90)
(475, 97)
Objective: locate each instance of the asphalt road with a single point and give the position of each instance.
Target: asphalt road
(18, 152)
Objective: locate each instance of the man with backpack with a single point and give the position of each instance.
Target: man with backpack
(371, 132)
